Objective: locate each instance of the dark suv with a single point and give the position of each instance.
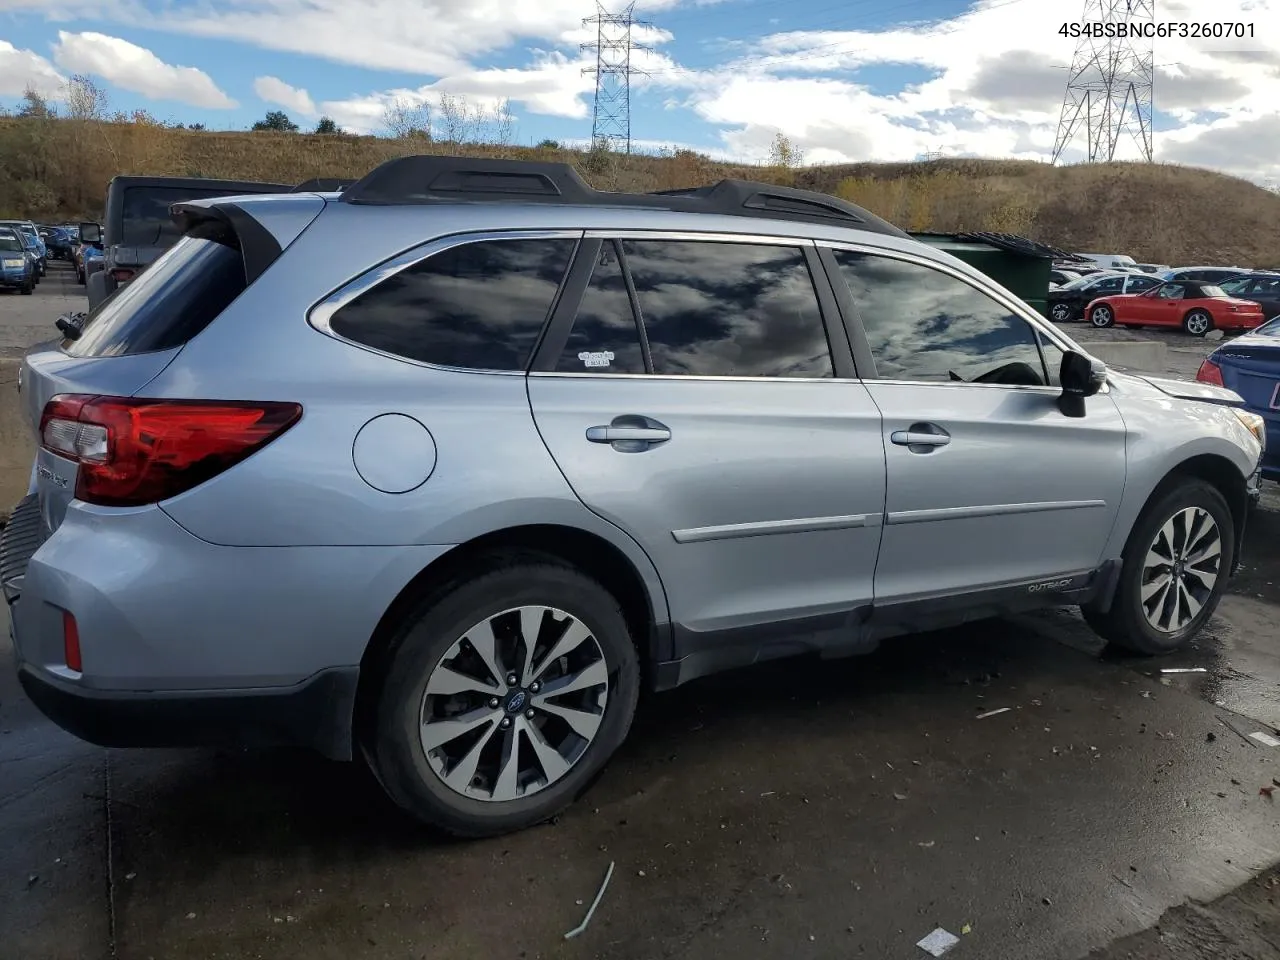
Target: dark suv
(137, 227)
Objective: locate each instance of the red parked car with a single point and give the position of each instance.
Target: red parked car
(1196, 307)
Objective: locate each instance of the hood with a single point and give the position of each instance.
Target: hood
(1191, 390)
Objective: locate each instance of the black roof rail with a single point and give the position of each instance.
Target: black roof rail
(435, 179)
(323, 185)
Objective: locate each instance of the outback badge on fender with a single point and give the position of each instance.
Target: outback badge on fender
(1050, 585)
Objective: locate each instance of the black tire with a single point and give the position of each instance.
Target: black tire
(392, 743)
(1197, 323)
(1060, 313)
(28, 288)
(1102, 316)
(1125, 626)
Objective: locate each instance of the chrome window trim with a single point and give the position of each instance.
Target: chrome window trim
(680, 377)
(1036, 322)
(708, 236)
(320, 314)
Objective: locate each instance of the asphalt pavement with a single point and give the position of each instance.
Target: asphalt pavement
(799, 809)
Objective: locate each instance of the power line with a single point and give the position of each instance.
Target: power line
(1110, 84)
(613, 46)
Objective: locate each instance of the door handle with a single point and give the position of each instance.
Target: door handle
(921, 437)
(613, 434)
(630, 433)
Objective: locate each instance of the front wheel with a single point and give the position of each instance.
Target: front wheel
(1060, 313)
(1197, 323)
(502, 699)
(1102, 316)
(1175, 568)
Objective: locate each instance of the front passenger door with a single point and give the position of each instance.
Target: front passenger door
(991, 488)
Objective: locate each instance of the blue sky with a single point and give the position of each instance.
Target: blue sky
(849, 80)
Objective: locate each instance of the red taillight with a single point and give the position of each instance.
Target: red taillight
(71, 643)
(122, 274)
(134, 451)
(1210, 372)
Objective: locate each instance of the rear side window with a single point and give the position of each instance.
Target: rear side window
(479, 306)
(168, 304)
(728, 309)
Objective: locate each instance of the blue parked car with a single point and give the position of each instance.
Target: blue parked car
(31, 242)
(17, 271)
(1250, 365)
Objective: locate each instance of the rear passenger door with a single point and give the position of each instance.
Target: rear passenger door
(698, 393)
(992, 490)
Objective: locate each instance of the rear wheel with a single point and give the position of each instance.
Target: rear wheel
(1060, 312)
(502, 699)
(1197, 323)
(1174, 571)
(1102, 316)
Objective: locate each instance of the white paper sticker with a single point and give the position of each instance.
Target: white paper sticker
(938, 942)
(596, 358)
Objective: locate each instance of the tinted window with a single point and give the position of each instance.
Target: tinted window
(1237, 286)
(728, 309)
(1109, 285)
(1138, 284)
(605, 337)
(146, 220)
(1268, 286)
(923, 324)
(478, 305)
(1052, 354)
(168, 304)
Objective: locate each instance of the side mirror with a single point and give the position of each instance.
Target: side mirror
(1081, 377)
(90, 233)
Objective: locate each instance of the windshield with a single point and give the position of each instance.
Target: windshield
(169, 302)
(1209, 290)
(1269, 329)
(1084, 281)
(10, 243)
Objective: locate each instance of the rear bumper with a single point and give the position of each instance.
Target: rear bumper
(316, 714)
(188, 643)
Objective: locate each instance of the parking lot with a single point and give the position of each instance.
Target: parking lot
(827, 810)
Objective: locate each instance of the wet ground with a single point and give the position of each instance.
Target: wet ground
(824, 810)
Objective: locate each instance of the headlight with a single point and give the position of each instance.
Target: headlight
(14, 263)
(1255, 424)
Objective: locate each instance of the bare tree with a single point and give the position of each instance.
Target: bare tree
(502, 123)
(405, 119)
(35, 105)
(85, 99)
(457, 119)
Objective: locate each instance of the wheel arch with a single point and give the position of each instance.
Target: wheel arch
(1220, 473)
(638, 591)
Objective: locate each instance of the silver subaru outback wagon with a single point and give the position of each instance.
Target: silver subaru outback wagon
(448, 496)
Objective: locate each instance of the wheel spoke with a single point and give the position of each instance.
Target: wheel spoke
(1149, 590)
(446, 682)
(436, 733)
(583, 722)
(505, 787)
(1192, 604)
(530, 627)
(464, 771)
(485, 645)
(1164, 611)
(569, 641)
(590, 676)
(553, 765)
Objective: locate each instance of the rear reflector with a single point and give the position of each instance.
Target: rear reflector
(71, 642)
(1210, 372)
(133, 451)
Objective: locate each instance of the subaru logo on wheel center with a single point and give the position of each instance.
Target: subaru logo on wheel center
(517, 701)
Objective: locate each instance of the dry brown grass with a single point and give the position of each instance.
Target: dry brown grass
(1154, 212)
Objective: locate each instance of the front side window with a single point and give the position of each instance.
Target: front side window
(923, 324)
(1139, 284)
(728, 309)
(478, 305)
(1237, 286)
(1172, 291)
(1109, 285)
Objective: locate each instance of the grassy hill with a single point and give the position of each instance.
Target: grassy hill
(59, 168)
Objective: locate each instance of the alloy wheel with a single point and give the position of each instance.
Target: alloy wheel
(1101, 317)
(1061, 312)
(514, 703)
(1180, 570)
(1198, 324)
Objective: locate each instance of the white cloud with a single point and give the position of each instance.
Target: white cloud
(134, 68)
(22, 68)
(275, 90)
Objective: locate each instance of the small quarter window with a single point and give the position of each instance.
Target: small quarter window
(605, 337)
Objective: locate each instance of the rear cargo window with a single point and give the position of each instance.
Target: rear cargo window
(168, 304)
(480, 306)
(145, 218)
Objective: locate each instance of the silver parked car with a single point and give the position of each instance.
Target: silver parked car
(452, 499)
